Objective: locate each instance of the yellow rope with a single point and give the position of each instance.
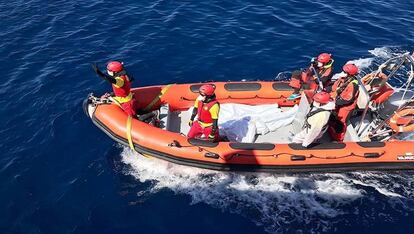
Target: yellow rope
(158, 97)
(115, 101)
(129, 136)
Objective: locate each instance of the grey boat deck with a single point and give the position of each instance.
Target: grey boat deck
(178, 122)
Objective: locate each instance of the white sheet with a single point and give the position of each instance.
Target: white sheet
(241, 123)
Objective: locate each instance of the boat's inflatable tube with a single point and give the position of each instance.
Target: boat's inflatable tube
(176, 148)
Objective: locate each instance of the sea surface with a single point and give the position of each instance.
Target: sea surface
(61, 174)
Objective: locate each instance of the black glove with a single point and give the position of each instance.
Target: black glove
(97, 71)
(314, 62)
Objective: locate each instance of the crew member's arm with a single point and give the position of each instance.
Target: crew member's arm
(214, 111)
(348, 95)
(104, 76)
(193, 115)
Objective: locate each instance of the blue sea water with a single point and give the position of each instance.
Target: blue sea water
(60, 174)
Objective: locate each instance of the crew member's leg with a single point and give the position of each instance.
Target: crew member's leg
(207, 131)
(195, 131)
(337, 128)
(298, 138)
(129, 107)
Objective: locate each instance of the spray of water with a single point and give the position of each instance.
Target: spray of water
(273, 201)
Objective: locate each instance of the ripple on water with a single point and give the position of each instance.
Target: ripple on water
(47, 47)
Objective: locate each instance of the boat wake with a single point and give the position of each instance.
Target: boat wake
(310, 202)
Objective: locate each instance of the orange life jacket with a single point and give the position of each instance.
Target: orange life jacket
(310, 79)
(345, 89)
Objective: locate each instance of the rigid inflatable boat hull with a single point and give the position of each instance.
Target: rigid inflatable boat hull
(231, 156)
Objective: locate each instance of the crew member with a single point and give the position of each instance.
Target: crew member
(316, 121)
(345, 91)
(121, 85)
(374, 81)
(307, 79)
(207, 109)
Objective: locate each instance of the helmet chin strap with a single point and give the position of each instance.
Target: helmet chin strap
(329, 64)
(208, 99)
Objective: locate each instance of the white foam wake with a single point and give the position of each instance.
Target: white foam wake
(273, 201)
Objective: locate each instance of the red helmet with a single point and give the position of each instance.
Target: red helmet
(350, 69)
(115, 66)
(207, 89)
(324, 58)
(322, 97)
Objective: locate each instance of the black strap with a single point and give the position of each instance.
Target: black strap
(312, 113)
(345, 84)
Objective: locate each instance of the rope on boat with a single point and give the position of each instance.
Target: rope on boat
(158, 97)
(379, 154)
(128, 133)
(229, 157)
(129, 136)
(241, 98)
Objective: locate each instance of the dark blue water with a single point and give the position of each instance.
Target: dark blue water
(60, 174)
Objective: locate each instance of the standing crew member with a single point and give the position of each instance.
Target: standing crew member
(345, 91)
(307, 80)
(316, 121)
(207, 109)
(121, 85)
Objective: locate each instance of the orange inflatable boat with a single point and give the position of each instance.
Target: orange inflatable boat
(380, 151)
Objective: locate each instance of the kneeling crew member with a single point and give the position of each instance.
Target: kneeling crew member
(316, 121)
(345, 91)
(374, 81)
(207, 109)
(307, 80)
